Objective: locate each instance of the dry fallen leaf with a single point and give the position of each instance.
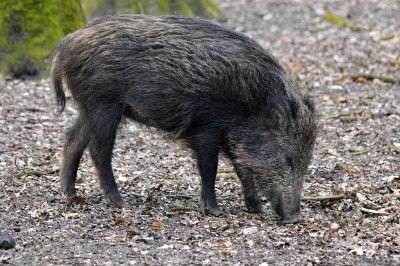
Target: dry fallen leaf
(78, 199)
(119, 221)
(356, 251)
(222, 245)
(157, 224)
(379, 238)
(352, 170)
(325, 97)
(362, 64)
(361, 80)
(341, 99)
(79, 181)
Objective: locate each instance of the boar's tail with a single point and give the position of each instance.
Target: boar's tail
(57, 84)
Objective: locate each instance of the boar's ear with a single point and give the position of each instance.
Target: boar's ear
(309, 103)
(277, 117)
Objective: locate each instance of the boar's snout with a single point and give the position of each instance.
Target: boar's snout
(287, 207)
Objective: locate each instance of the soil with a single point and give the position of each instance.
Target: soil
(352, 74)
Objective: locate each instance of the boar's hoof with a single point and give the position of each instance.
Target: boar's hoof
(291, 220)
(216, 211)
(68, 190)
(114, 199)
(213, 210)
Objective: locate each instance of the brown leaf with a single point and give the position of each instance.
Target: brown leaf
(379, 238)
(361, 80)
(325, 97)
(119, 221)
(222, 245)
(77, 199)
(341, 99)
(352, 170)
(157, 224)
(79, 181)
(362, 64)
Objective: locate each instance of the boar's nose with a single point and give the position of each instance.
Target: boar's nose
(291, 215)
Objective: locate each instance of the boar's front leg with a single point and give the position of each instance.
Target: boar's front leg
(206, 147)
(104, 123)
(250, 192)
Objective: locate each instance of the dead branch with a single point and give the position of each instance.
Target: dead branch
(328, 197)
(181, 210)
(369, 211)
(371, 77)
(185, 196)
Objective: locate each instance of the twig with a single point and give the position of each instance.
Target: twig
(374, 212)
(180, 209)
(331, 117)
(180, 196)
(358, 152)
(329, 197)
(348, 118)
(387, 79)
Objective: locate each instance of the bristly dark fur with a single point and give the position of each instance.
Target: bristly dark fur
(212, 86)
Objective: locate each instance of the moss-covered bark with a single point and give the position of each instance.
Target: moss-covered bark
(29, 29)
(202, 8)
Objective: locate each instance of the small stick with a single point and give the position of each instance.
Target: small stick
(374, 212)
(180, 196)
(329, 197)
(181, 209)
(358, 152)
(387, 79)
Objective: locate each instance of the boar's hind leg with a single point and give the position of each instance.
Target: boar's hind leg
(206, 151)
(76, 140)
(251, 198)
(104, 123)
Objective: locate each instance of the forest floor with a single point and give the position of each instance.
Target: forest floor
(347, 69)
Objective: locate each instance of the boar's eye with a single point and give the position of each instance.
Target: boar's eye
(289, 160)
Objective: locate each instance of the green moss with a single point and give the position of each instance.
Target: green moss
(202, 8)
(340, 21)
(163, 6)
(30, 29)
(206, 7)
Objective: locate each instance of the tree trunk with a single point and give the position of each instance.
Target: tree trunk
(29, 30)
